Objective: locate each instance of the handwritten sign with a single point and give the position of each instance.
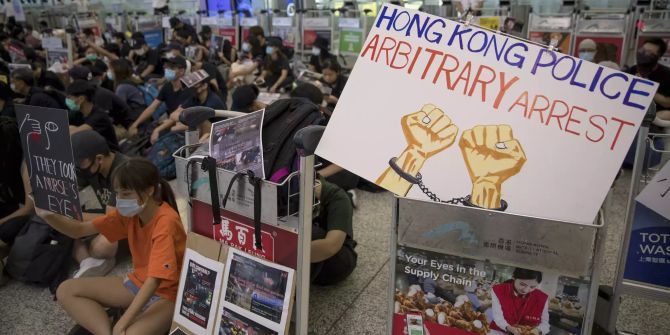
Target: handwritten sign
(460, 114)
(45, 138)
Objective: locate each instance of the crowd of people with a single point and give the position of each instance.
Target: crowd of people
(117, 90)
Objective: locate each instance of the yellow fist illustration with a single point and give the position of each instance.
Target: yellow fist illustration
(428, 131)
(492, 155)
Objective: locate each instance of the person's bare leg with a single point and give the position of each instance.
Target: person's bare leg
(80, 251)
(102, 248)
(85, 299)
(155, 320)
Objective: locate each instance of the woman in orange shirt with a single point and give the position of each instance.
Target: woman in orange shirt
(146, 214)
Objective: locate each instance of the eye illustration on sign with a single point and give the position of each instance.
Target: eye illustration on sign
(491, 154)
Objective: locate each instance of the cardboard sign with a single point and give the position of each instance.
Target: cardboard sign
(194, 78)
(258, 290)
(476, 118)
(199, 293)
(45, 138)
(656, 195)
(57, 56)
(51, 43)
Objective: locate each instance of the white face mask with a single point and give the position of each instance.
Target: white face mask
(246, 47)
(316, 51)
(170, 55)
(128, 207)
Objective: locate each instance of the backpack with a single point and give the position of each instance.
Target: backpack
(150, 93)
(161, 154)
(283, 118)
(39, 255)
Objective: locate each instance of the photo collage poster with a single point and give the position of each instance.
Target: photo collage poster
(237, 145)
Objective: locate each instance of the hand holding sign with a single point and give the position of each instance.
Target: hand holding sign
(428, 132)
(492, 155)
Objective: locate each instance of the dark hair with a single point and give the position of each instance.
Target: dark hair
(139, 174)
(331, 64)
(81, 87)
(12, 156)
(25, 75)
(120, 36)
(525, 274)
(660, 43)
(88, 31)
(256, 31)
(123, 71)
(323, 44)
(182, 33)
(309, 92)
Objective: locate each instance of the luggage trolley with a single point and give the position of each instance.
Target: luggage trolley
(288, 228)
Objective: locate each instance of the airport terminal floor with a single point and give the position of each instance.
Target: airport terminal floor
(412, 167)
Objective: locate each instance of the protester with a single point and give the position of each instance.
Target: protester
(104, 99)
(176, 24)
(257, 43)
(23, 84)
(45, 78)
(245, 99)
(333, 77)
(84, 115)
(277, 72)
(6, 101)
(126, 87)
(147, 60)
(96, 164)
(587, 50)
(648, 67)
(146, 215)
(320, 54)
(173, 93)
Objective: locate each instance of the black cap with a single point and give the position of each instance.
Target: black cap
(138, 43)
(243, 97)
(88, 144)
(80, 72)
(81, 87)
(178, 61)
(174, 22)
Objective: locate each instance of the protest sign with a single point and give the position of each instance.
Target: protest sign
(194, 78)
(45, 139)
(55, 56)
(236, 143)
(656, 195)
(468, 116)
(257, 290)
(199, 293)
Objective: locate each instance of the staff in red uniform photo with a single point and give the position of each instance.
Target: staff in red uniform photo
(519, 307)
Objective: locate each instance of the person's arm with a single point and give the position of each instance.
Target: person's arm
(148, 70)
(662, 99)
(498, 316)
(327, 247)
(330, 170)
(544, 324)
(146, 114)
(67, 226)
(78, 129)
(146, 291)
(103, 51)
(28, 204)
(165, 125)
(174, 116)
(280, 81)
(311, 68)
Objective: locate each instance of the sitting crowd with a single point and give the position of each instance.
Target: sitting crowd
(117, 91)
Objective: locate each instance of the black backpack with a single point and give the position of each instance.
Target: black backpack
(39, 255)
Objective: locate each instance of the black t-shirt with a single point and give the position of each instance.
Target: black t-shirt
(38, 97)
(338, 86)
(317, 62)
(335, 211)
(172, 98)
(151, 57)
(215, 73)
(661, 75)
(274, 68)
(101, 185)
(48, 78)
(212, 101)
(99, 121)
(118, 110)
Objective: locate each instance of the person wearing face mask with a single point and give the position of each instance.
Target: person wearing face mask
(176, 24)
(173, 93)
(647, 66)
(333, 77)
(277, 72)
(587, 50)
(147, 60)
(519, 302)
(119, 39)
(228, 54)
(96, 164)
(46, 78)
(86, 116)
(242, 71)
(320, 54)
(257, 43)
(23, 84)
(146, 215)
(103, 98)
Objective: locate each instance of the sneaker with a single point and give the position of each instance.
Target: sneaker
(95, 267)
(353, 197)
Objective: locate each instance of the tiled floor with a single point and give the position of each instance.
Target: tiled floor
(359, 304)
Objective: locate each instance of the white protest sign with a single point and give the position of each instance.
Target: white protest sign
(474, 114)
(656, 195)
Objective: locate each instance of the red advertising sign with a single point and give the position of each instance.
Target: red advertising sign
(228, 34)
(238, 232)
(245, 33)
(310, 36)
(607, 48)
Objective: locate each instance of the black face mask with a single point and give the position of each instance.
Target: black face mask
(87, 173)
(645, 59)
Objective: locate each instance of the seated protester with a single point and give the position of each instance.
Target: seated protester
(84, 115)
(204, 96)
(147, 60)
(23, 83)
(126, 87)
(119, 39)
(45, 78)
(217, 83)
(96, 165)
(258, 43)
(206, 33)
(332, 253)
(177, 24)
(12, 190)
(104, 99)
(333, 77)
(242, 71)
(93, 57)
(146, 215)
(277, 72)
(192, 50)
(320, 54)
(5, 41)
(244, 99)
(228, 53)
(173, 93)
(333, 173)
